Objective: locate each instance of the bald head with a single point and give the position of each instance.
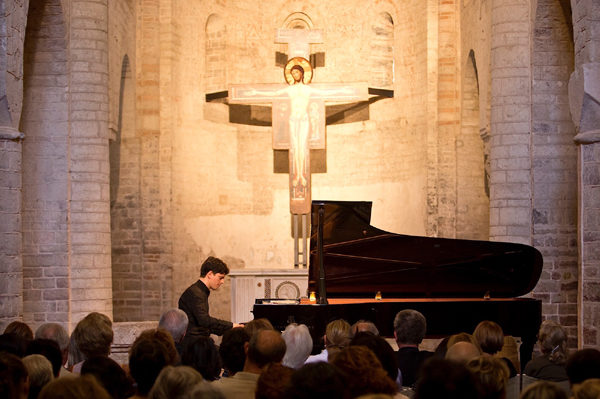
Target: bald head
(462, 352)
(266, 346)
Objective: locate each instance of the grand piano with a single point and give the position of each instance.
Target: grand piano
(360, 272)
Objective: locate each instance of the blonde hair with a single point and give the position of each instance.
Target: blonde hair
(588, 389)
(492, 373)
(543, 390)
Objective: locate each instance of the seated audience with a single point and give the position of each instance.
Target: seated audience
(232, 350)
(409, 330)
(257, 324)
(205, 390)
(462, 352)
(318, 380)
(202, 354)
(80, 387)
(490, 338)
(175, 383)
(110, 375)
(40, 373)
(19, 328)
(298, 343)
(338, 334)
(363, 372)
(265, 346)
(147, 357)
(364, 325)
(50, 350)
(583, 365)
(175, 321)
(492, 373)
(544, 390)
(13, 343)
(552, 342)
(273, 381)
(383, 351)
(444, 379)
(93, 336)
(588, 389)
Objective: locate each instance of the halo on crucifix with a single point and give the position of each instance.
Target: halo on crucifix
(306, 68)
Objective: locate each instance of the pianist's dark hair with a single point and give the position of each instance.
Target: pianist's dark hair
(215, 265)
(410, 326)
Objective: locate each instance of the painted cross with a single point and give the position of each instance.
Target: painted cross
(298, 117)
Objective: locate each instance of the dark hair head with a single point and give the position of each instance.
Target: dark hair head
(297, 68)
(110, 375)
(13, 343)
(202, 355)
(50, 350)
(215, 265)
(319, 380)
(582, 365)
(382, 350)
(489, 336)
(147, 357)
(232, 349)
(253, 326)
(273, 381)
(13, 375)
(266, 346)
(410, 327)
(19, 328)
(440, 378)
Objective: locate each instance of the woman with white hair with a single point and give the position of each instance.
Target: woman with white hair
(298, 343)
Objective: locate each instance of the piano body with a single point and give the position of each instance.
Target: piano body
(454, 283)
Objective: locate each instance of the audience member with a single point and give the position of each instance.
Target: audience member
(13, 343)
(273, 381)
(93, 336)
(57, 333)
(462, 352)
(165, 339)
(383, 351)
(50, 350)
(265, 346)
(582, 365)
(232, 350)
(318, 380)
(175, 321)
(338, 334)
(299, 345)
(110, 375)
(445, 379)
(490, 338)
(40, 373)
(202, 355)
(364, 325)
(14, 381)
(552, 342)
(588, 389)
(175, 382)
(147, 357)
(492, 374)
(409, 330)
(461, 337)
(80, 387)
(258, 324)
(19, 328)
(544, 390)
(205, 390)
(363, 371)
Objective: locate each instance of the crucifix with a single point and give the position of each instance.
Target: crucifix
(298, 117)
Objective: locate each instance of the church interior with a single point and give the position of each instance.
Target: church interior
(120, 174)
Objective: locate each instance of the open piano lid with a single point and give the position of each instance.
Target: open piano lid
(360, 260)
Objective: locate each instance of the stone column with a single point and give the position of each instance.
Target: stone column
(90, 262)
(510, 162)
(584, 100)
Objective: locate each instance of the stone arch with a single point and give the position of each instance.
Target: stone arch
(45, 204)
(216, 53)
(298, 20)
(381, 51)
(472, 202)
(125, 206)
(554, 166)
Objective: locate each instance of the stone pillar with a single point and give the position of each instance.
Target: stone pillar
(90, 262)
(510, 162)
(584, 97)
